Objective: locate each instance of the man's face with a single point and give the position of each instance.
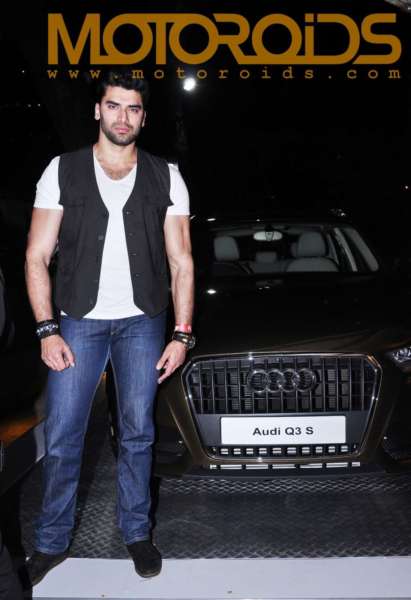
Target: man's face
(121, 115)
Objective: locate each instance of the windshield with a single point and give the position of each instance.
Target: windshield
(271, 248)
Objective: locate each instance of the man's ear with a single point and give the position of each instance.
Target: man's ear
(97, 111)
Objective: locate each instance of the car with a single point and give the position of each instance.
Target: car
(303, 356)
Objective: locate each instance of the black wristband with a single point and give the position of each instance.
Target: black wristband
(47, 328)
(187, 339)
(180, 336)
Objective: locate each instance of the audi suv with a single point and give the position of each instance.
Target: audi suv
(302, 359)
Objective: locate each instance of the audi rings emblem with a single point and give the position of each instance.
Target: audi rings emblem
(260, 381)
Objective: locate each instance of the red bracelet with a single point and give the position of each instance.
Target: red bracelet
(184, 328)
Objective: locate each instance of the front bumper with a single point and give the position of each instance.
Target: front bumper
(201, 452)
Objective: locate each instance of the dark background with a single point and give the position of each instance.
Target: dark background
(241, 144)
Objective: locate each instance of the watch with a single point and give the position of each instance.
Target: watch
(188, 339)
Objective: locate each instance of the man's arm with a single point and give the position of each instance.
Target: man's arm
(42, 240)
(44, 229)
(178, 248)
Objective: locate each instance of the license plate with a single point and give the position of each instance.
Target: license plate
(262, 431)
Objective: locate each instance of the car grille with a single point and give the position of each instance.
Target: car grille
(282, 467)
(281, 383)
(304, 451)
(288, 468)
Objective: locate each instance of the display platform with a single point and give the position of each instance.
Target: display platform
(237, 579)
(285, 538)
(352, 516)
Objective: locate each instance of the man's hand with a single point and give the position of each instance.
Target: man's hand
(173, 357)
(56, 353)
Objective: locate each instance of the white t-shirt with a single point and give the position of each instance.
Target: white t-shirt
(115, 292)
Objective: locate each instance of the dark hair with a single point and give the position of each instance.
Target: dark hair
(122, 78)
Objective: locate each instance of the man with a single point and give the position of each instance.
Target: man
(118, 213)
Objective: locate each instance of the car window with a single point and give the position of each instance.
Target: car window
(270, 248)
(363, 255)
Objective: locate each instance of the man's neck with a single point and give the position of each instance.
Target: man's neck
(110, 153)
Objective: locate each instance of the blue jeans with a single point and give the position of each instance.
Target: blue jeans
(134, 345)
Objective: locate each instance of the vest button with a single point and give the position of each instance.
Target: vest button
(104, 214)
(129, 212)
(130, 233)
(136, 274)
(100, 237)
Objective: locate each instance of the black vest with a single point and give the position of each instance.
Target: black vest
(83, 232)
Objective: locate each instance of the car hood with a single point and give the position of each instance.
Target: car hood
(364, 314)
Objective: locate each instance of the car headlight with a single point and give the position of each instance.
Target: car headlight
(401, 357)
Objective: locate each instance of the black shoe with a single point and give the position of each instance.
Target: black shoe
(146, 557)
(39, 564)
